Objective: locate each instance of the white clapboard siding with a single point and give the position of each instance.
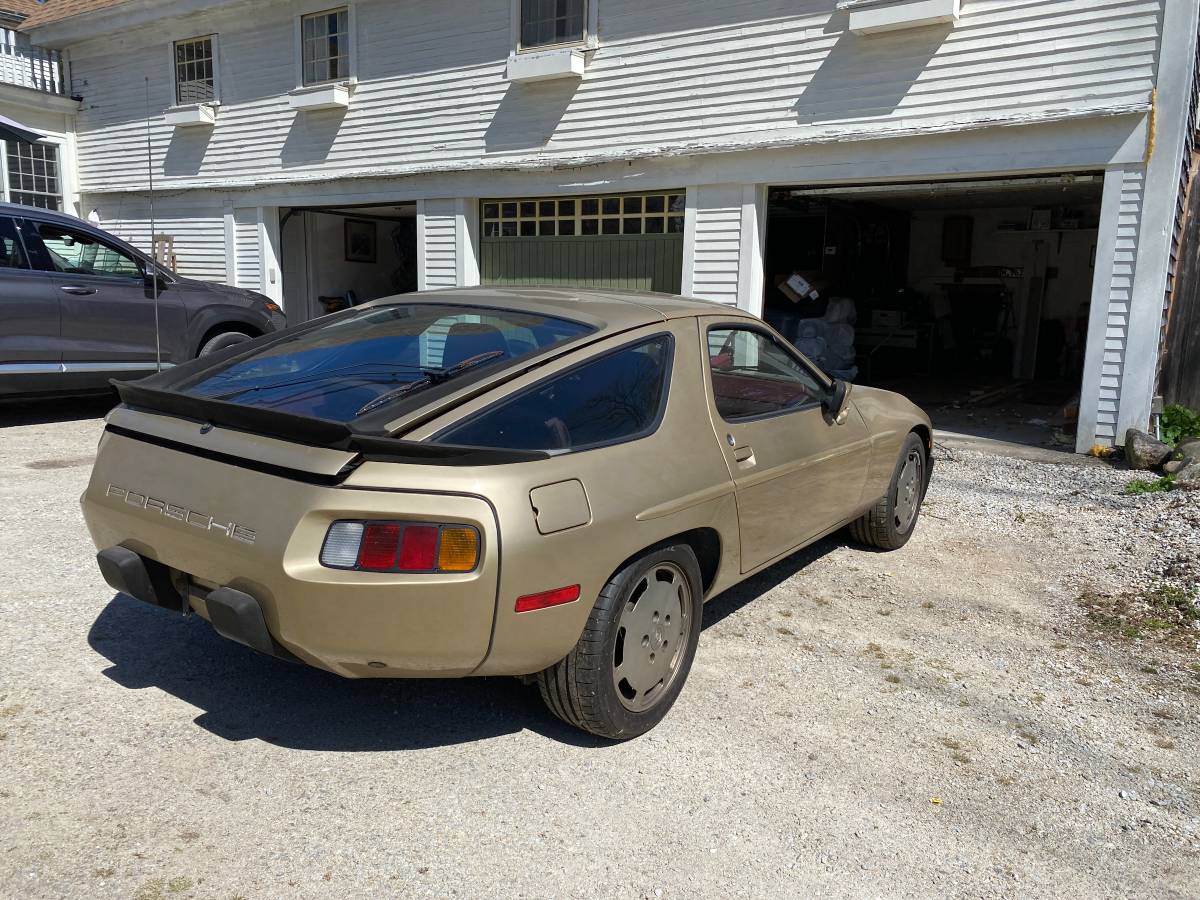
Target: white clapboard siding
(440, 243)
(1120, 296)
(669, 74)
(716, 258)
(247, 249)
(199, 234)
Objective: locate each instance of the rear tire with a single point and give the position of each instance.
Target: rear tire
(890, 523)
(222, 341)
(636, 650)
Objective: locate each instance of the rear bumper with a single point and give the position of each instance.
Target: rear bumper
(233, 614)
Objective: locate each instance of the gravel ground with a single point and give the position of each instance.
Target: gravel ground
(943, 720)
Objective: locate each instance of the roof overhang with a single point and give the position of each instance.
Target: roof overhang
(61, 33)
(11, 130)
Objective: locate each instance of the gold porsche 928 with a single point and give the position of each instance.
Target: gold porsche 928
(542, 483)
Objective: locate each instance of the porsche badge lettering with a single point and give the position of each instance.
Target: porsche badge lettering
(231, 530)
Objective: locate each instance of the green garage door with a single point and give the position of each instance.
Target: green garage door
(631, 241)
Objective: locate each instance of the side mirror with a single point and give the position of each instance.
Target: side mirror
(153, 279)
(837, 402)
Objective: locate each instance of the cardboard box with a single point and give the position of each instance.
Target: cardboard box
(799, 289)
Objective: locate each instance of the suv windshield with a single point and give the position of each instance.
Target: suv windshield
(374, 356)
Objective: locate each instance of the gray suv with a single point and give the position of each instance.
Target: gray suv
(77, 308)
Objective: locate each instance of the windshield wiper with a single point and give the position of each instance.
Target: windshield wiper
(431, 377)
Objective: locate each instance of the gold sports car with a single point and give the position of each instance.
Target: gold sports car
(531, 482)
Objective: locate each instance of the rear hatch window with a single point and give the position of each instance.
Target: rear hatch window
(370, 358)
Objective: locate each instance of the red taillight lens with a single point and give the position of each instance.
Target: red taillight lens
(418, 548)
(556, 597)
(379, 546)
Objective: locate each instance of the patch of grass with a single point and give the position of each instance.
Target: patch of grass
(786, 613)
(959, 757)
(1027, 736)
(1179, 423)
(1164, 612)
(951, 744)
(1145, 486)
(1165, 743)
(785, 631)
(928, 604)
(892, 679)
(179, 884)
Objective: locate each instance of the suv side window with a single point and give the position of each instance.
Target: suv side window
(753, 375)
(78, 253)
(12, 253)
(618, 397)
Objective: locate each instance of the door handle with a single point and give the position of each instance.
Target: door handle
(743, 453)
(77, 290)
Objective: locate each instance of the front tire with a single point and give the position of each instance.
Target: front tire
(636, 650)
(890, 523)
(222, 341)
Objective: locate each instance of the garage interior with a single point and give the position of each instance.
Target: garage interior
(972, 298)
(334, 257)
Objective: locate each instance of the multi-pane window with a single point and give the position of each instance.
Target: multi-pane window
(33, 176)
(548, 22)
(587, 216)
(194, 78)
(325, 46)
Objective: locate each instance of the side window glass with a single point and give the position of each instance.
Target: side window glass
(617, 397)
(12, 254)
(752, 375)
(76, 253)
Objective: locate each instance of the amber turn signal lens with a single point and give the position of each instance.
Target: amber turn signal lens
(459, 550)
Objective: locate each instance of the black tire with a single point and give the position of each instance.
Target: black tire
(222, 341)
(883, 526)
(582, 688)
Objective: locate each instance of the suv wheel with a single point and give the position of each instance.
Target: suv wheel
(636, 650)
(222, 341)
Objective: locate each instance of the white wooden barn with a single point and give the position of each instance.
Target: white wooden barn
(995, 183)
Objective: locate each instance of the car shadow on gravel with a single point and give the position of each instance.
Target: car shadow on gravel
(727, 603)
(47, 411)
(246, 696)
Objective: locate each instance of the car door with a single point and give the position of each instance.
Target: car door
(30, 351)
(108, 313)
(796, 473)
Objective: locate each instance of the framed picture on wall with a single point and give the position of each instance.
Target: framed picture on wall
(360, 241)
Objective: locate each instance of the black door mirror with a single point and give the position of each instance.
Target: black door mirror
(837, 402)
(155, 280)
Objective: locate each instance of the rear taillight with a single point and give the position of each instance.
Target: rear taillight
(400, 547)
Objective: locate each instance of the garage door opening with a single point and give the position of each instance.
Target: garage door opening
(625, 241)
(334, 257)
(972, 298)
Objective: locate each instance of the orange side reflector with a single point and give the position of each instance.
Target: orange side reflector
(459, 550)
(556, 597)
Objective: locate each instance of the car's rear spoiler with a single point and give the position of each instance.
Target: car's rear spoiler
(313, 431)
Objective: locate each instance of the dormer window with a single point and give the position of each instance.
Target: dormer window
(325, 46)
(195, 71)
(550, 23)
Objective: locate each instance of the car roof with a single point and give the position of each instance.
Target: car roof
(608, 309)
(20, 209)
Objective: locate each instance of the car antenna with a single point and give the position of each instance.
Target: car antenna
(153, 246)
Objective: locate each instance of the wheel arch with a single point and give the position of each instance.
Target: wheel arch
(704, 542)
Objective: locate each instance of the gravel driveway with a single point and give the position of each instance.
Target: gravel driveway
(944, 720)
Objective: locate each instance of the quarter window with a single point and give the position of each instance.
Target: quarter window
(586, 216)
(77, 253)
(195, 79)
(12, 254)
(325, 46)
(33, 176)
(753, 375)
(548, 22)
(616, 398)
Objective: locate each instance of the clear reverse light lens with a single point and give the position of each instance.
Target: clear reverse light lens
(341, 545)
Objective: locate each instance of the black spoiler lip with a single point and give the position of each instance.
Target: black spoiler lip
(313, 431)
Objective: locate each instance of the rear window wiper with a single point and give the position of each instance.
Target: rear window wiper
(430, 378)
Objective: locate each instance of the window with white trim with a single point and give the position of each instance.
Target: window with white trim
(658, 213)
(325, 46)
(548, 23)
(195, 71)
(33, 174)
